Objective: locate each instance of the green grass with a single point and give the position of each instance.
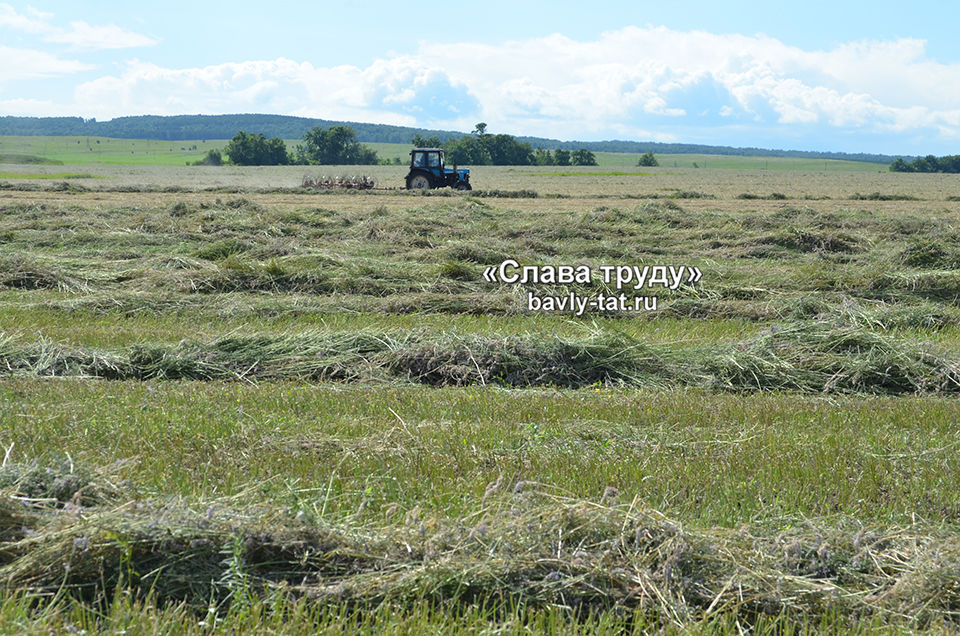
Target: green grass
(465, 492)
(105, 327)
(106, 150)
(305, 617)
(716, 463)
(391, 151)
(27, 159)
(154, 152)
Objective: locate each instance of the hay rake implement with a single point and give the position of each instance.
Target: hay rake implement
(359, 182)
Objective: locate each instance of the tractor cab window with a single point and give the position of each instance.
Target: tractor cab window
(420, 159)
(434, 159)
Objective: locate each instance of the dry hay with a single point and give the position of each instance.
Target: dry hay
(829, 356)
(524, 546)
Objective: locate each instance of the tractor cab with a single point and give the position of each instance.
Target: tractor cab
(427, 158)
(427, 170)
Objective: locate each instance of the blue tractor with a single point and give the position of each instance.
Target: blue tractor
(427, 171)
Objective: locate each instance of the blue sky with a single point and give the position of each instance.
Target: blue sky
(855, 77)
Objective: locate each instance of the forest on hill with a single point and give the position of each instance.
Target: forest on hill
(183, 127)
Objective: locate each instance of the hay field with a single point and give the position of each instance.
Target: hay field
(594, 182)
(230, 403)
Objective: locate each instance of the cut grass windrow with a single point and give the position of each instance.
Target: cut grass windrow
(824, 356)
(527, 546)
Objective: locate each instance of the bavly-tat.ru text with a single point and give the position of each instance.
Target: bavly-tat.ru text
(635, 277)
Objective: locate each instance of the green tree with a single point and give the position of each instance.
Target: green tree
(468, 150)
(275, 153)
(899, 165)
(930, 163)
(505, 150)
(926, 164)
(257, 150)
(583, 157)
(419, 141)
(562, 157)
(337, 145)
(212, 158)
(950, 163)
(543, 157)
(482, 148)
(647, 159)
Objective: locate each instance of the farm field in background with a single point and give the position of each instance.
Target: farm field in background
(291, 405)
(571, 187)
(733, 162)
(628, 161)
(106, 150)
(110, 151)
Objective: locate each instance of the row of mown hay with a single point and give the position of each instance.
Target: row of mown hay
(524, 546)
(818, 356)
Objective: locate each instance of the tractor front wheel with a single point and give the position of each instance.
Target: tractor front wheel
(463, 185)
(418, 182)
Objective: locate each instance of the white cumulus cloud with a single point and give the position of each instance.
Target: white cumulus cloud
(110, 36)
(17, 64)
(633, 82)
(79, 34)
(388, 91)
(36, 22)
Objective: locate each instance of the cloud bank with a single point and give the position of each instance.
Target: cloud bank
(632, 83)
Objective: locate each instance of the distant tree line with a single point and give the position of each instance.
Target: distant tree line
(480, 148)
(949, 163)
(333, 146)
(338, 145)
(179, 127)
(621, 146)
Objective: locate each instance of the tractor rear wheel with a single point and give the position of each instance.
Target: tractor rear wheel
(419, 182)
